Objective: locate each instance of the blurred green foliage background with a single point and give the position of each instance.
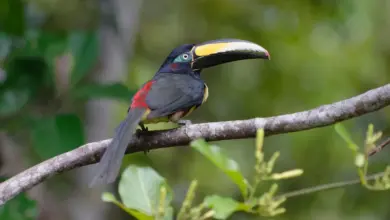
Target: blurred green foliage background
(322, 52)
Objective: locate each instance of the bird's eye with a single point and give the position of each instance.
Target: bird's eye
(185, 56)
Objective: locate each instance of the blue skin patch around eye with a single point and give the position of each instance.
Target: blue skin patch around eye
(183, 58)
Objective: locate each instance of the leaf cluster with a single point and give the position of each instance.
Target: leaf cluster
(361, 154)
(43, 75)
(144, 194)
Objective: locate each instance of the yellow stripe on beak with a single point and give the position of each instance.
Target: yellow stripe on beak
(207, 49)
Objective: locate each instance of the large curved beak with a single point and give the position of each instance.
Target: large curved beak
(215, 52)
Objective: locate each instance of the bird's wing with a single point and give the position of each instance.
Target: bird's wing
(174, 93)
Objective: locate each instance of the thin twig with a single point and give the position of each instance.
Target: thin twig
(325, 115)
(379, 147)
(328, 186)
(339, 184)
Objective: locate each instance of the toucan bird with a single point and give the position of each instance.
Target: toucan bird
(174, 92)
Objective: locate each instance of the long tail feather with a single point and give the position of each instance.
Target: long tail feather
(111, 161)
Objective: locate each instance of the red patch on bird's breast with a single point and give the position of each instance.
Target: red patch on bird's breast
(140, 96)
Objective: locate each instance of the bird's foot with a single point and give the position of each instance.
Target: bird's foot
(143, 127)
(140, 132)
(146, 151)
(184, 122)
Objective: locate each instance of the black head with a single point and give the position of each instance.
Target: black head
(179, 60)
(189, 58)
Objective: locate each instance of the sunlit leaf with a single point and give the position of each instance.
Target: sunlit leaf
(57, 134)
(98, 91)
(344, 134)
(360, 160)
(224, 206)
(287, 174)
(227, 165)
(19, 208)
(139, 188)
(259, 140)
(108, 197)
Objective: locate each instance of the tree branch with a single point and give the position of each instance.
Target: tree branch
(90, 153)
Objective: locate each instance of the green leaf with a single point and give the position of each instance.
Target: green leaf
(259, 140)
(6, 43)
(139, 188)
(24, 77)
(57, 134)
(19, 208)
(344, 134)
(12, 100)
(227, 165)
(12, 19)
(360, 160)
(84, 48)
(108, 197)
(25, 70)
(95, 91)
(51, 45)
(168, 213)
(224, 206)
